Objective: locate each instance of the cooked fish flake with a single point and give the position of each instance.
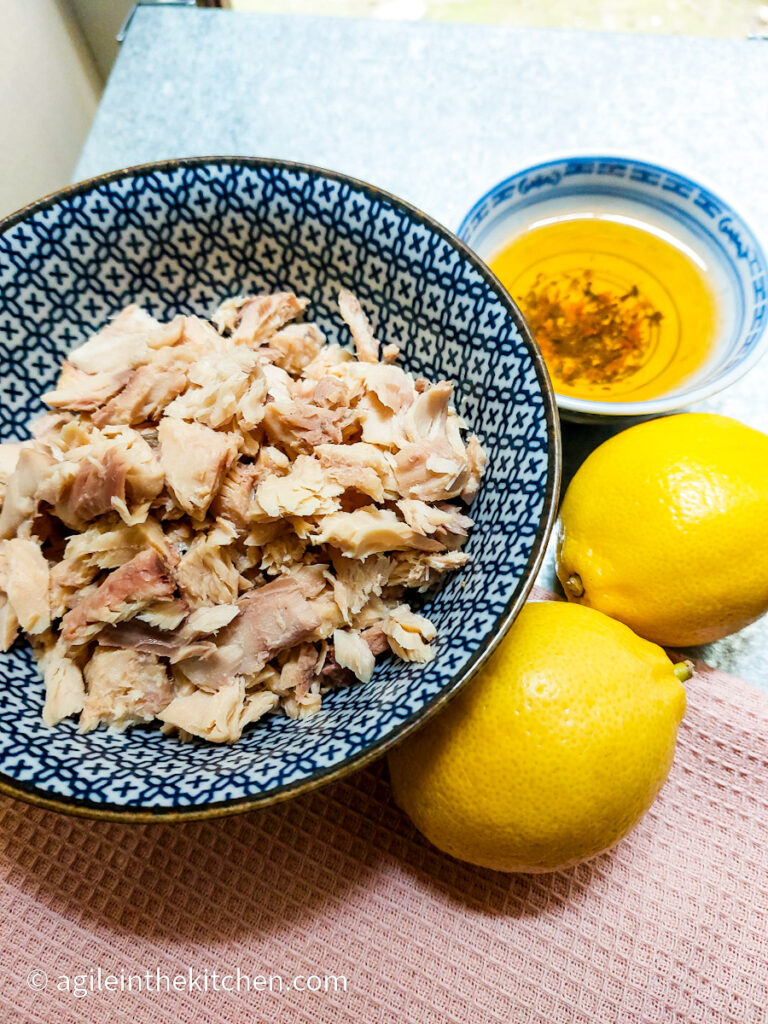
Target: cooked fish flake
(352, 652)
(409, 634)
(25, 581)
(366, 346)
(218, 520)
(125, 591)
(127, 341)
(123, 687)
(369, 530)
(64, 687)
(220, 716)
(194, 459)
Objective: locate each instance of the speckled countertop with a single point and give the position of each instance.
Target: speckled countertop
(437, 113)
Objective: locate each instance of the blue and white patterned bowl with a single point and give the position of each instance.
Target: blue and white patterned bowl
(178, 237)
(688, 211)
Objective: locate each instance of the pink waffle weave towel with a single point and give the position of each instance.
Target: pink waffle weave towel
(671, 926)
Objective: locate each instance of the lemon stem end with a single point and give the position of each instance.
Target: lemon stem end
(683, 670)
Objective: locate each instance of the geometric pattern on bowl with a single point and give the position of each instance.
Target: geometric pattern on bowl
(178, 237)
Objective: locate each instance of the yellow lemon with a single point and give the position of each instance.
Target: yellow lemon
(553, 752)
(664, 527)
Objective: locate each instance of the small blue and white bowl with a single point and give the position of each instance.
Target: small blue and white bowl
(178, 237)
(709, 227)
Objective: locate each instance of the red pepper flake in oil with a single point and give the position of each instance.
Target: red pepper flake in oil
(589, 334)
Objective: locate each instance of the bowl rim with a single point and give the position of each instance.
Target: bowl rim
(664, 404)
(83, 807)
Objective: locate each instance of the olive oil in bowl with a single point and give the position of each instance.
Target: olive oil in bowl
(621, 310)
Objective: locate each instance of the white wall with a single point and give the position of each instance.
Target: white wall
(50, 91)
(100, 21)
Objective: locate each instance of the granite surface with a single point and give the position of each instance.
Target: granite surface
(437, 113)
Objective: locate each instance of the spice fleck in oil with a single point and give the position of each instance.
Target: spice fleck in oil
(621, 311)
